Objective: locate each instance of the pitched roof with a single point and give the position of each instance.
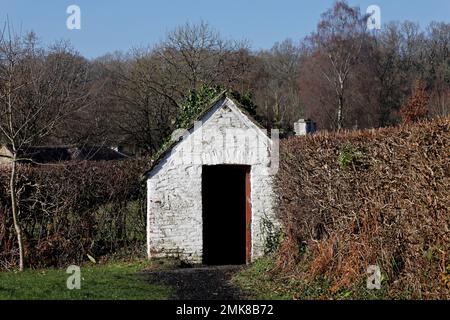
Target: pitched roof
(167, 147)
(52, 154)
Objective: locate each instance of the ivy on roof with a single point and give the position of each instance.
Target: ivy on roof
(198, 100)
(197, 104)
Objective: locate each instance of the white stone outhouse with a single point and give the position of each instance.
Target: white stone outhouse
(210, 197)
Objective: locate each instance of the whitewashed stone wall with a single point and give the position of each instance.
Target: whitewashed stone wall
(174, 217)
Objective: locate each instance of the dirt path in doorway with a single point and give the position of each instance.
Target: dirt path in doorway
(203, 283)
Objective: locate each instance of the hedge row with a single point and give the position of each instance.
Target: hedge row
(73, 209)
(375, 197)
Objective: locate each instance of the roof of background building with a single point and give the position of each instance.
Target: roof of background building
(52, 154)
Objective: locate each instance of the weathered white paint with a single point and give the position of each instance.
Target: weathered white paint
(174, 217)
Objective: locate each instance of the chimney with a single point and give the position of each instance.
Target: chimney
(303, 127)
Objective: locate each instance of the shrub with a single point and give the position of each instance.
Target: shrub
(339, 219)
(73, 209)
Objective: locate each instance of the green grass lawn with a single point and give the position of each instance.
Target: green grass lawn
(126, 280)
(111, 281)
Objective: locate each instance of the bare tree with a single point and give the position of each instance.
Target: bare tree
(148, 85)
(37, 90)
(279, 94)
(386, 62)
(195, 54)
(438, 67)
(339, 37)
(142, 100)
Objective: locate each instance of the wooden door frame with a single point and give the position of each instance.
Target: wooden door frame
(248, 216)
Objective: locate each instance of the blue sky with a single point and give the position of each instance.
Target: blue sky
(112, 25)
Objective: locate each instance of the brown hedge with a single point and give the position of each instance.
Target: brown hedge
(376, 197)
(72, 209)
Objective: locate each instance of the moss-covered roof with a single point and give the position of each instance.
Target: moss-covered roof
(170, 143)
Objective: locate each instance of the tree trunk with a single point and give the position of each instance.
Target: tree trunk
(14, 208)
(340, 117)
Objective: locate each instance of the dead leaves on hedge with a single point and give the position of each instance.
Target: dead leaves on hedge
(369, 197)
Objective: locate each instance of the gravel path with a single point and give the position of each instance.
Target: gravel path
(203, 283)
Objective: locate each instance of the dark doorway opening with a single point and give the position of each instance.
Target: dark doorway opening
(226, 214)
